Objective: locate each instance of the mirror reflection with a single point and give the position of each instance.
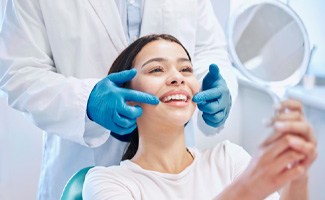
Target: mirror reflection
(269, 42)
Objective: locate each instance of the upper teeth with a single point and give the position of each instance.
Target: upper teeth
(175, 97)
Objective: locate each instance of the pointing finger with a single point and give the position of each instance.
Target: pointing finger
(121, 77)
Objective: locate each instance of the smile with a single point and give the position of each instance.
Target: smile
(176, 97)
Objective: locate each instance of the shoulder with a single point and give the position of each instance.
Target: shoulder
(106, 182)
(227, 156)
(226, 149)
(105, 174)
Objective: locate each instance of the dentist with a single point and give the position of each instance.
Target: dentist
(54, 56)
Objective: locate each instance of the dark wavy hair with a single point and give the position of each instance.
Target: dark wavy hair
(125, 62)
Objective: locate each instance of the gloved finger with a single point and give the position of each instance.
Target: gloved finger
(213, 107)
(209, 122)
(213, 124)
(130, 112)
(121, 77)
(207, 95)
(213, 74)
(217, 117)
(140, 97)
(123, 121)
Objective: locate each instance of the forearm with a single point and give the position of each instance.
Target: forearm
(238, 190)
(297, 190)
(56, 102)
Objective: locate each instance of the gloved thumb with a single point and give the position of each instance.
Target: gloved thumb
(121, 77)
(213, 73)
(211, 78)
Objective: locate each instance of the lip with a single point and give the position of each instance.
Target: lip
(176, 103)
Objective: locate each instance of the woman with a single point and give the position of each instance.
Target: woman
(157, 163)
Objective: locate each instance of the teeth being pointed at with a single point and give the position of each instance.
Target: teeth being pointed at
(177, 97)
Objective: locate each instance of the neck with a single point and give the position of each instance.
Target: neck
(162, 148)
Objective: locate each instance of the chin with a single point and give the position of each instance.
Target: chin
(179, 117)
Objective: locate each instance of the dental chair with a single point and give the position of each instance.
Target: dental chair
(73, 188)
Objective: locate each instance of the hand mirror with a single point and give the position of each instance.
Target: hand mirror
(269, 45)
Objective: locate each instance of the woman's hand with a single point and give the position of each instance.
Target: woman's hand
(291, 121)
(291, 124)
(284, 157)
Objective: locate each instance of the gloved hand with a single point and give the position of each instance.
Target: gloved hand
(214, 100)
(107, 103)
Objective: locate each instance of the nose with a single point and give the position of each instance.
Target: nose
(175, 79)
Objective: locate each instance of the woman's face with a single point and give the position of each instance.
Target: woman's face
(165, 71)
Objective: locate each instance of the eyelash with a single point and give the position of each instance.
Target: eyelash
(161, 69)
(187, 69)
(154, 70)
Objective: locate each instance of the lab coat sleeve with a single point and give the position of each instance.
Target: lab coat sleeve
(211, 48)
(56, 103)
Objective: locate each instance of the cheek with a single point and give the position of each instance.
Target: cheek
(195, 86)
(146, 84)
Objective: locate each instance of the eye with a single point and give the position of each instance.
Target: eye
(156, 69)
(187, 69)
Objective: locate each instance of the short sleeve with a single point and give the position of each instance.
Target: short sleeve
(239, 158)
(101, 183)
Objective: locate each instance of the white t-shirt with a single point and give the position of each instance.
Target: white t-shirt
(210, 172)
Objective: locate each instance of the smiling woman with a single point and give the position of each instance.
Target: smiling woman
(159, 60)
(158, 164)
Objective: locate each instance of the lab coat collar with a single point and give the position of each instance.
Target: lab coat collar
(108, 13)
(154, 20)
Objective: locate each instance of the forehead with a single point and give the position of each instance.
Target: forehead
(160, 48)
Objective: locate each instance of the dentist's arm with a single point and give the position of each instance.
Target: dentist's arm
(211, 48)
(56, 103)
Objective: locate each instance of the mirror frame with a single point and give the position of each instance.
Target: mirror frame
(297, 75)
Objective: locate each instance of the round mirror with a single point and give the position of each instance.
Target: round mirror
(269, 44)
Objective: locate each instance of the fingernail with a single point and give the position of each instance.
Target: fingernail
(279, 125)
(294, 142)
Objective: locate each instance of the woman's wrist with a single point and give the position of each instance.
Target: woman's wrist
(296, 189)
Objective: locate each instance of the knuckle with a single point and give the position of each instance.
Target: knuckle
(287, 139)
(297, 116)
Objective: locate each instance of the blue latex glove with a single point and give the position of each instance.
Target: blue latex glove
(214, 100)
(107, 103)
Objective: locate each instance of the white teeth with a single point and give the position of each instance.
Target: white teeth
(175, 97)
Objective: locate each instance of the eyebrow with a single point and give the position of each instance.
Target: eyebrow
(164, 60)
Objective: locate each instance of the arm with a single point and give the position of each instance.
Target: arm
(297, 189)
(211, 48)
(56, 103)
(292, 144)
(290, 120)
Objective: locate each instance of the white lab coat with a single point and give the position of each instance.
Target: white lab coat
(52, 53)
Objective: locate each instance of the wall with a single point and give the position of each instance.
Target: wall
(20, 154)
